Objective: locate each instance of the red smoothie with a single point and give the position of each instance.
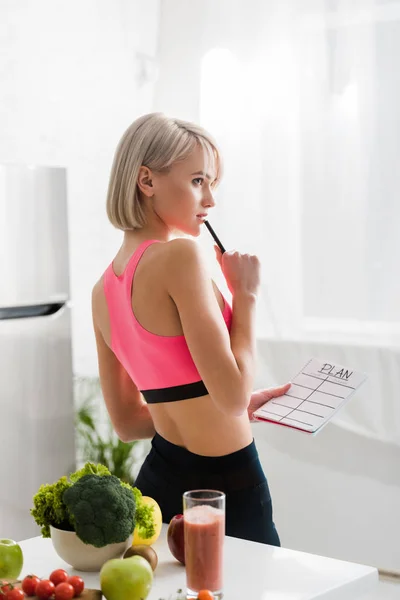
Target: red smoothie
(204, 542)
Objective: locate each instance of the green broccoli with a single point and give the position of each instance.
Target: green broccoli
(144, 512)
(102, 510)
(49, 506)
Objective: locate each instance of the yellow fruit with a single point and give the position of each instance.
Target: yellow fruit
(157, 523)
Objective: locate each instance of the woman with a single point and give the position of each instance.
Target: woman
(176, 362)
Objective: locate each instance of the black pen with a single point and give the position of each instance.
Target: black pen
(211, 230)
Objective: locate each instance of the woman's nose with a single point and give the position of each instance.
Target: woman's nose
(208, 199)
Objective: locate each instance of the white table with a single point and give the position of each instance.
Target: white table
(252, 572)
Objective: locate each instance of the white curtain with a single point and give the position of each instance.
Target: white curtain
(304, 99)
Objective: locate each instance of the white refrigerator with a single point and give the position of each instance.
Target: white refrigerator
(36, 383)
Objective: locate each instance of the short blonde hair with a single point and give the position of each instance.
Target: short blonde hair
(154, 141)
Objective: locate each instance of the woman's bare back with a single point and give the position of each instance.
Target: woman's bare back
(196, 423)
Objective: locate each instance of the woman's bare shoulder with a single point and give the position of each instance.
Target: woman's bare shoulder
(98, 298)
(182, 252)
(98, 288)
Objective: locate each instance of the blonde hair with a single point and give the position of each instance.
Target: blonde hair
(154, 141)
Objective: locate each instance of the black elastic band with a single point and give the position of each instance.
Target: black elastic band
(175, 393)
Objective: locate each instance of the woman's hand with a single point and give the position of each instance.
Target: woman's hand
(241, 271)
(260, 397)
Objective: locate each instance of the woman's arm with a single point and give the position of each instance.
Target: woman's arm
(243, 338)
(128, 411)
(225, 362)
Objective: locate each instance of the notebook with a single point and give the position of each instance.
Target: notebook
(317, 392)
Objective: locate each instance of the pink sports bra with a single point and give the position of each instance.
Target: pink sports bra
(161, 366)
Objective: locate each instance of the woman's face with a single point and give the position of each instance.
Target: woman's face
(183, 196)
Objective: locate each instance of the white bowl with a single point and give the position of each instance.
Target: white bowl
(84, 557)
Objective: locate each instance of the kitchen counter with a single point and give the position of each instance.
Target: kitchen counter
(252, 572)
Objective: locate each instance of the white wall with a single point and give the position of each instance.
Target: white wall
(74, 75)
(336, 494)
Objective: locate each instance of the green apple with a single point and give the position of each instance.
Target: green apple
(126, 578)
(11, 559)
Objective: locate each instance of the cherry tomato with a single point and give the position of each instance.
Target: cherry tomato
(15, 594)
(77, 583)
(205, 595)
(64, 591)
(4, 587)
(58, 576)
(45, 589)
(29, 584)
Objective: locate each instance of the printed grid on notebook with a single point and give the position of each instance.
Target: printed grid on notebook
(316, 393)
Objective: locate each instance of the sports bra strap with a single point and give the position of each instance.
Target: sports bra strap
(135, 258)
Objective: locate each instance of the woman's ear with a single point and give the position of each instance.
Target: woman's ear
(145, 182)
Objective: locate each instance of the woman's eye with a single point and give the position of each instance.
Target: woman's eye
(198, 180)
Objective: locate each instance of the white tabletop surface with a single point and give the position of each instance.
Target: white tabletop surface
(252, 572)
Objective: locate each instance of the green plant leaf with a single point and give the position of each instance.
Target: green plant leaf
(119, 457)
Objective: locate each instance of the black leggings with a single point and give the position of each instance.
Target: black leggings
(171, 470)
